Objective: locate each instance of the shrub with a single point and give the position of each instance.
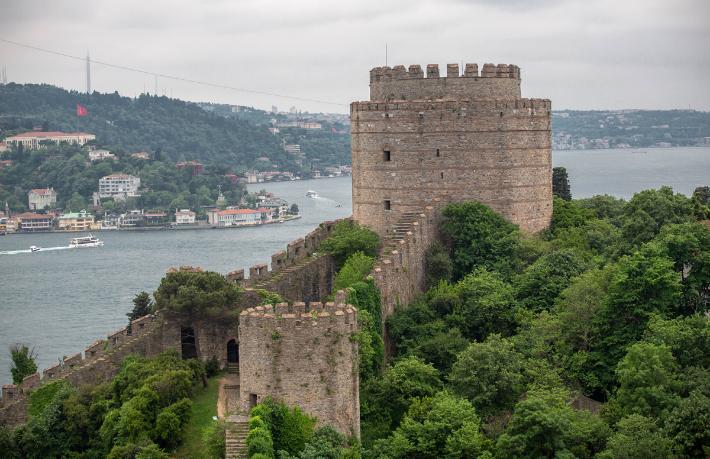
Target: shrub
(355, 269)
(214, 439)
(260, 441)
(347, 238)
(212, 366)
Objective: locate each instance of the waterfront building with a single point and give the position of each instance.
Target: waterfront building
(75, 221)
(35, 139)
(119, 186)
(155, 218)
(184, 217)
(30, 221)
(237, 217)
(131, 219)
(111, 221)
(100, 155)
(42, 198)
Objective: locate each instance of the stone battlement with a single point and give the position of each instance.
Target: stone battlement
(399, 72)
(500, 81)
(68, 367)
(299, 314)
(296, 251)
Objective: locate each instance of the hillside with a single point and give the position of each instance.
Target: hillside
(175, 129)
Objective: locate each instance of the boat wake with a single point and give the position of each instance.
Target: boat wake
(41, 249)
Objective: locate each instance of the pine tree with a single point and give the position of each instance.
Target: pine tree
(560, 183)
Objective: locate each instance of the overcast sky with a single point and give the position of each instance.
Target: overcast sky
(582, 54)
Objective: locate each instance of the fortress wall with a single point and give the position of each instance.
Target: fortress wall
(299, 273)
(494, 82)
(99, 363)
(399, 271)
(303, 356)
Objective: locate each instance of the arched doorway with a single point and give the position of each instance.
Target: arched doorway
(232, 351)
(188, 343)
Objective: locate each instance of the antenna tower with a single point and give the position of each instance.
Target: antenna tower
(88, 73)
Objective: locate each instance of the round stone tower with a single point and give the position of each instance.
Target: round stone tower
(456, 138)
(305, 356)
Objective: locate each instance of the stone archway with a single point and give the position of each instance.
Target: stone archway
(188, 344)
(232, 351)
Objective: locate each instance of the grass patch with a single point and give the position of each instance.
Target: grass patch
(204, 406)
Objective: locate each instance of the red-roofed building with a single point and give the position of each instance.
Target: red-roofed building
(42, 198)
(234, 217)
(195, 167)
(34, 139)
(34, 222)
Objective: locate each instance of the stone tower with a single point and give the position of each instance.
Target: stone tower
(305, 356)
(456, 138)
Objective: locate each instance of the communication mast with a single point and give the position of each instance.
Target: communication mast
(88, 73)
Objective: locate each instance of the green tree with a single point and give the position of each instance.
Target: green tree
(489, 375)
(197, 293)
(23, 362)
(478, 237)
(541, 283)
(487, 305)
(142, 305)
(647, 378)
(560, 183)
(647, 212)
(637, 437)
(347, 238)
(76, 203)
(407, 380)
(438, 265)
(442, 426)
(294, 209)
(688, 425)
(567, 214)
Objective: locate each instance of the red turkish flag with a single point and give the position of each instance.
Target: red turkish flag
(81, 110)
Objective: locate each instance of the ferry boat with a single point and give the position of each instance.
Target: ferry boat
(86, 241)
(311, 194)
(34, 248)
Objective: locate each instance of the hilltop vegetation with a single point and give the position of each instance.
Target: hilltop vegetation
(174, 130)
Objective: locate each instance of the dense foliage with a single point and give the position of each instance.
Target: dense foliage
(347, 238)
(197, 293)
(560, 183)
(140, 414)
(23, 363)
(609, 304)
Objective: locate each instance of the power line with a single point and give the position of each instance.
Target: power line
(171, 77)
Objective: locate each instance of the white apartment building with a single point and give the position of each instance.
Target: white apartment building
(184, 217)
(41, 198)
(33, 140)
(99, 155)
(119, 186)
(236, 217)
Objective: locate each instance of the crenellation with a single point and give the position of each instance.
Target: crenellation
(452, 70)
(258, 271)
(235, 276)
(432, 71)
(470, 137)
(74, 360)
(30, 382)
(95, 350)
(52, 372)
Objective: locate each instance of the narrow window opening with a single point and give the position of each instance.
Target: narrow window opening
(388, 204)
(252, 400)
(386, 155)
(442, 175)
(438, 153)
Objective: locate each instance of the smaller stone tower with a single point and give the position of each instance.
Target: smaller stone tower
(304, 356)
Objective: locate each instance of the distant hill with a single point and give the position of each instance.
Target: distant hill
(579, 129)
(177, 130)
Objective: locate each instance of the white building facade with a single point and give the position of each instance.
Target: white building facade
(119, 186)
(41, 198)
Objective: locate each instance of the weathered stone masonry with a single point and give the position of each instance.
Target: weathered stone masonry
(306, 356)
(461, 137)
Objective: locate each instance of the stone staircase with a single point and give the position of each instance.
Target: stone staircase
(237, 428)
(400, 229)
(233, 368)
(265, 281)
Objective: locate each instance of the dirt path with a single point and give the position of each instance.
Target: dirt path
(227, 395)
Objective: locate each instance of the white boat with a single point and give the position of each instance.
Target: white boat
(311, 194)
(34, 248)
(86, 241)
